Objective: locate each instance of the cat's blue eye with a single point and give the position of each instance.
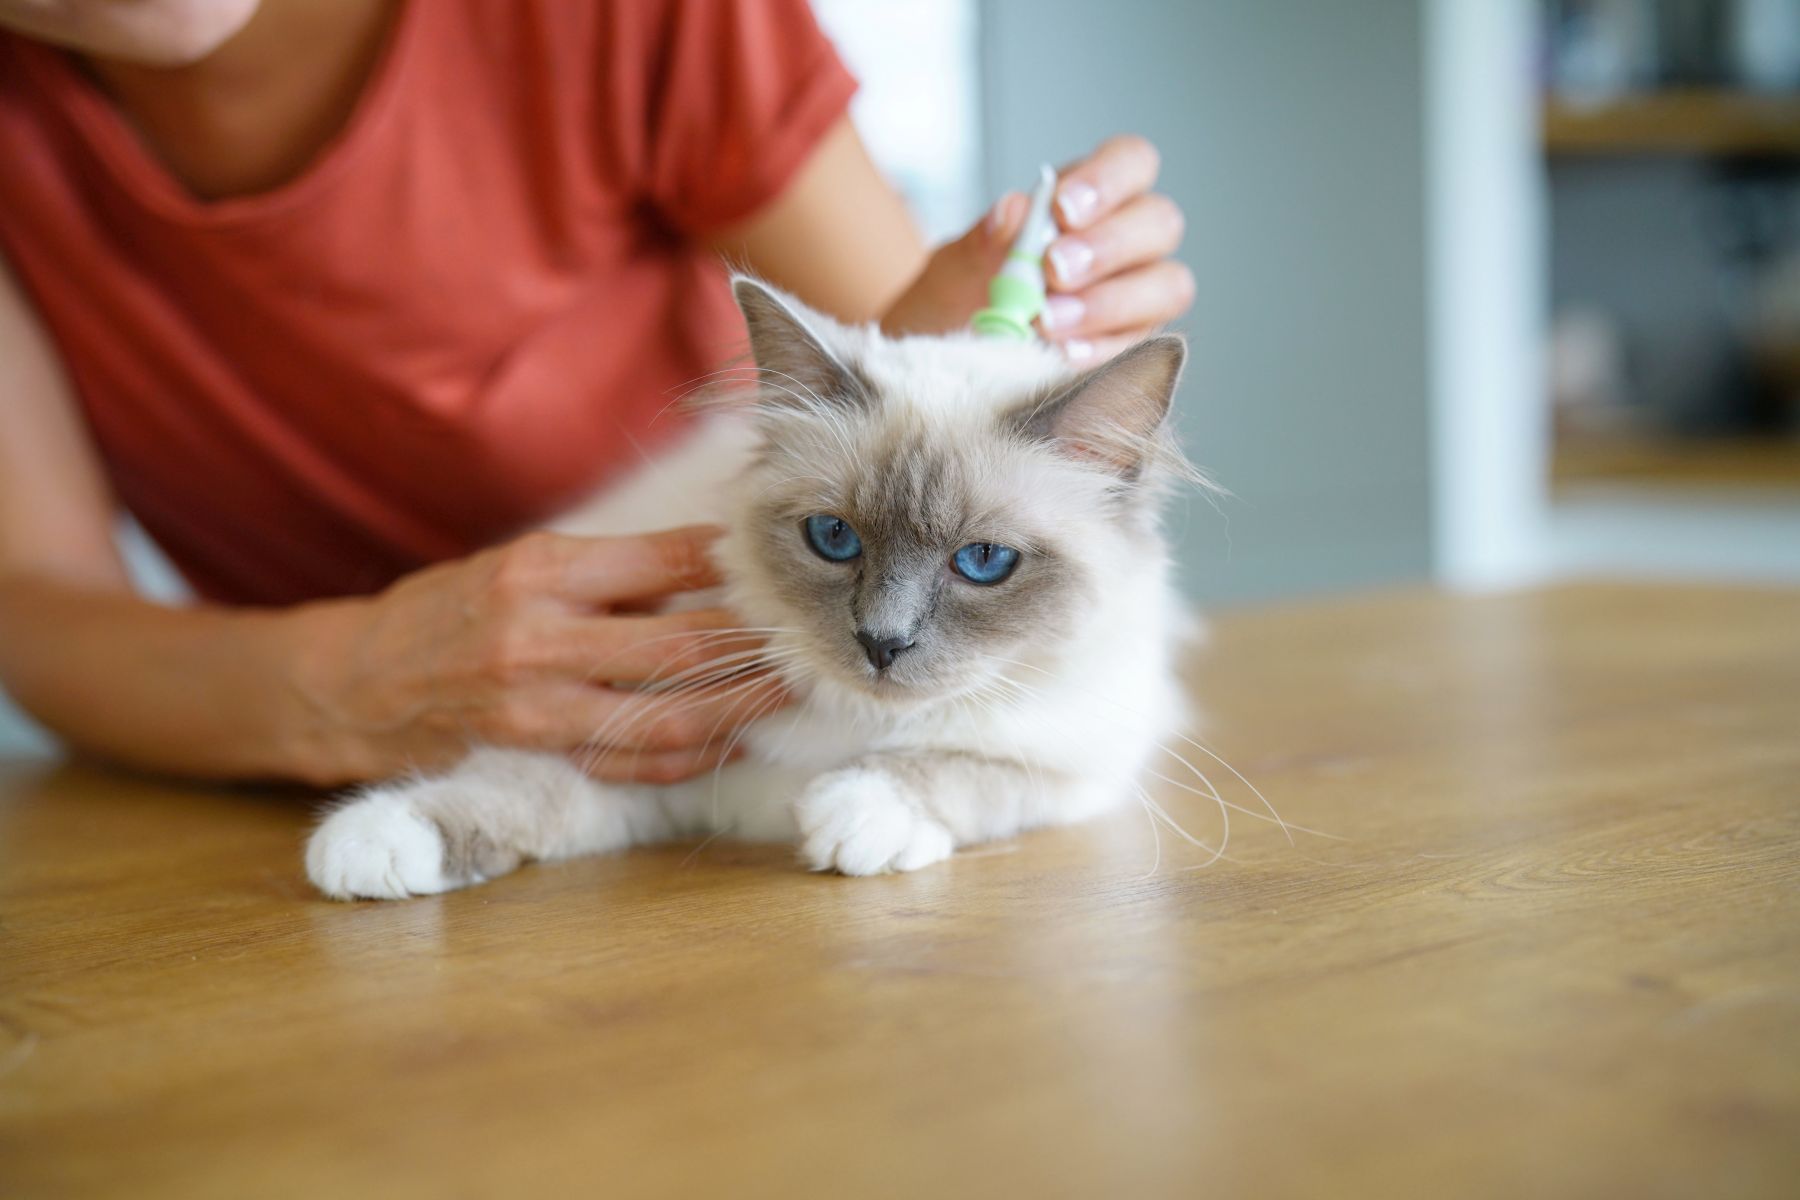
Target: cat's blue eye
(832, 538)
(985, 562)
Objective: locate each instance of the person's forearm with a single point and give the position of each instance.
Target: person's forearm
(839, 237)
(206, 692)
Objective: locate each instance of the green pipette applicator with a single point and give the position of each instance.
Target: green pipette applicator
(1016, 293)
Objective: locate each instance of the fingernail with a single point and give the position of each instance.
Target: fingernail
(1078, 350)
(997, 218)
(1071, 258)
(1063, 312)
(1077, 201)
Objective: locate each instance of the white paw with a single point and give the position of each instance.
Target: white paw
(857, 821)
(377, 847)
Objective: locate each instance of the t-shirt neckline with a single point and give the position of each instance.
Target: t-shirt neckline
(136, 168)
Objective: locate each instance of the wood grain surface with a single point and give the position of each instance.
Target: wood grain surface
(1556, 952)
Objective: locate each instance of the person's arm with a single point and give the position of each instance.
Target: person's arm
(504, 647)
(102, 668)
(839, 237)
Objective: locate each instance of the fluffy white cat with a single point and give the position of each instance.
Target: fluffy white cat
(952, 546)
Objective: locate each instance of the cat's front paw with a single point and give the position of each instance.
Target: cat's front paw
(858, 822)
(378, 847)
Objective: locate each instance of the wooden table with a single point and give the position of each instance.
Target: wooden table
(1556, 953)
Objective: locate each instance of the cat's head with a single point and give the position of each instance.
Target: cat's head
(922, 510)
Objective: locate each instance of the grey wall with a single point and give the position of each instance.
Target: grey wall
(1292, 134)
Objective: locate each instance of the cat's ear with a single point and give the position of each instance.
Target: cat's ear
(1111, 416)
(796, 368)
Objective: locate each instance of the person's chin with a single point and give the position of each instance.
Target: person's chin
(166, 34)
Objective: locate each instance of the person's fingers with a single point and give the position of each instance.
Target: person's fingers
(1119, 169)
(640, 766)
(556, 717)
(1144, 230)
(954, 284)
(570, 717)
(688, 720)
(1136, 300)
(611, 569)
(676, 647)
(662, 648)
(1003, 221)
(961, 269)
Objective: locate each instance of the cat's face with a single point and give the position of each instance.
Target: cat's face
(924, 511)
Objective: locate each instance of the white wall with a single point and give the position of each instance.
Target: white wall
(1486, 195)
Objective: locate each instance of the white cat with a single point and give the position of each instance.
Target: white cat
(952, 546)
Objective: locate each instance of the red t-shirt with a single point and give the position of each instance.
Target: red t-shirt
(468, 310)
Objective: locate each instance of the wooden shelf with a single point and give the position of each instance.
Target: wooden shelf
(1760, 463)
(1677, 122)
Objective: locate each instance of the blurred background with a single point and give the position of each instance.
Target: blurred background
(1491, 292)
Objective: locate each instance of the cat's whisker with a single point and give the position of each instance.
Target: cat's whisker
(1160, 816)
(1286, 828)
(729, 713)
(990, 688)
(744, 373)
(989, 697)
(812, 397)
(818, 408)
(808, 675)
(701, 639)
(616, 734)
(811, 403)
(1252, 813)
(1254, 791)
(1211, 793)
(757, 712)
(768, 706)
(700, 682)
(724, 664)
(839, 433)
(753, 378)
(612, 732)
(717, 668)
(1217, 852)
(708, 840)
(641, 703)
(1155, 833)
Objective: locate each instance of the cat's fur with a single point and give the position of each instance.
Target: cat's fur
(1032, 702)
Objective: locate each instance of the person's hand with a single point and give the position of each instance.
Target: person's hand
(545, 643)
(1110, 276)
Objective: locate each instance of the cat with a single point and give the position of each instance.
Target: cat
(953, 547)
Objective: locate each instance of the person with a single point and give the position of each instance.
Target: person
(336, 297)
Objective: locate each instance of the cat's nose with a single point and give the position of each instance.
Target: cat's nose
(881, 650)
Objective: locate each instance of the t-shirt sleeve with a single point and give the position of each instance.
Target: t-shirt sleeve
(739, 92)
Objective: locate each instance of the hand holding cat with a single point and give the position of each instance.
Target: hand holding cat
(544, 643)
(1111, 276)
